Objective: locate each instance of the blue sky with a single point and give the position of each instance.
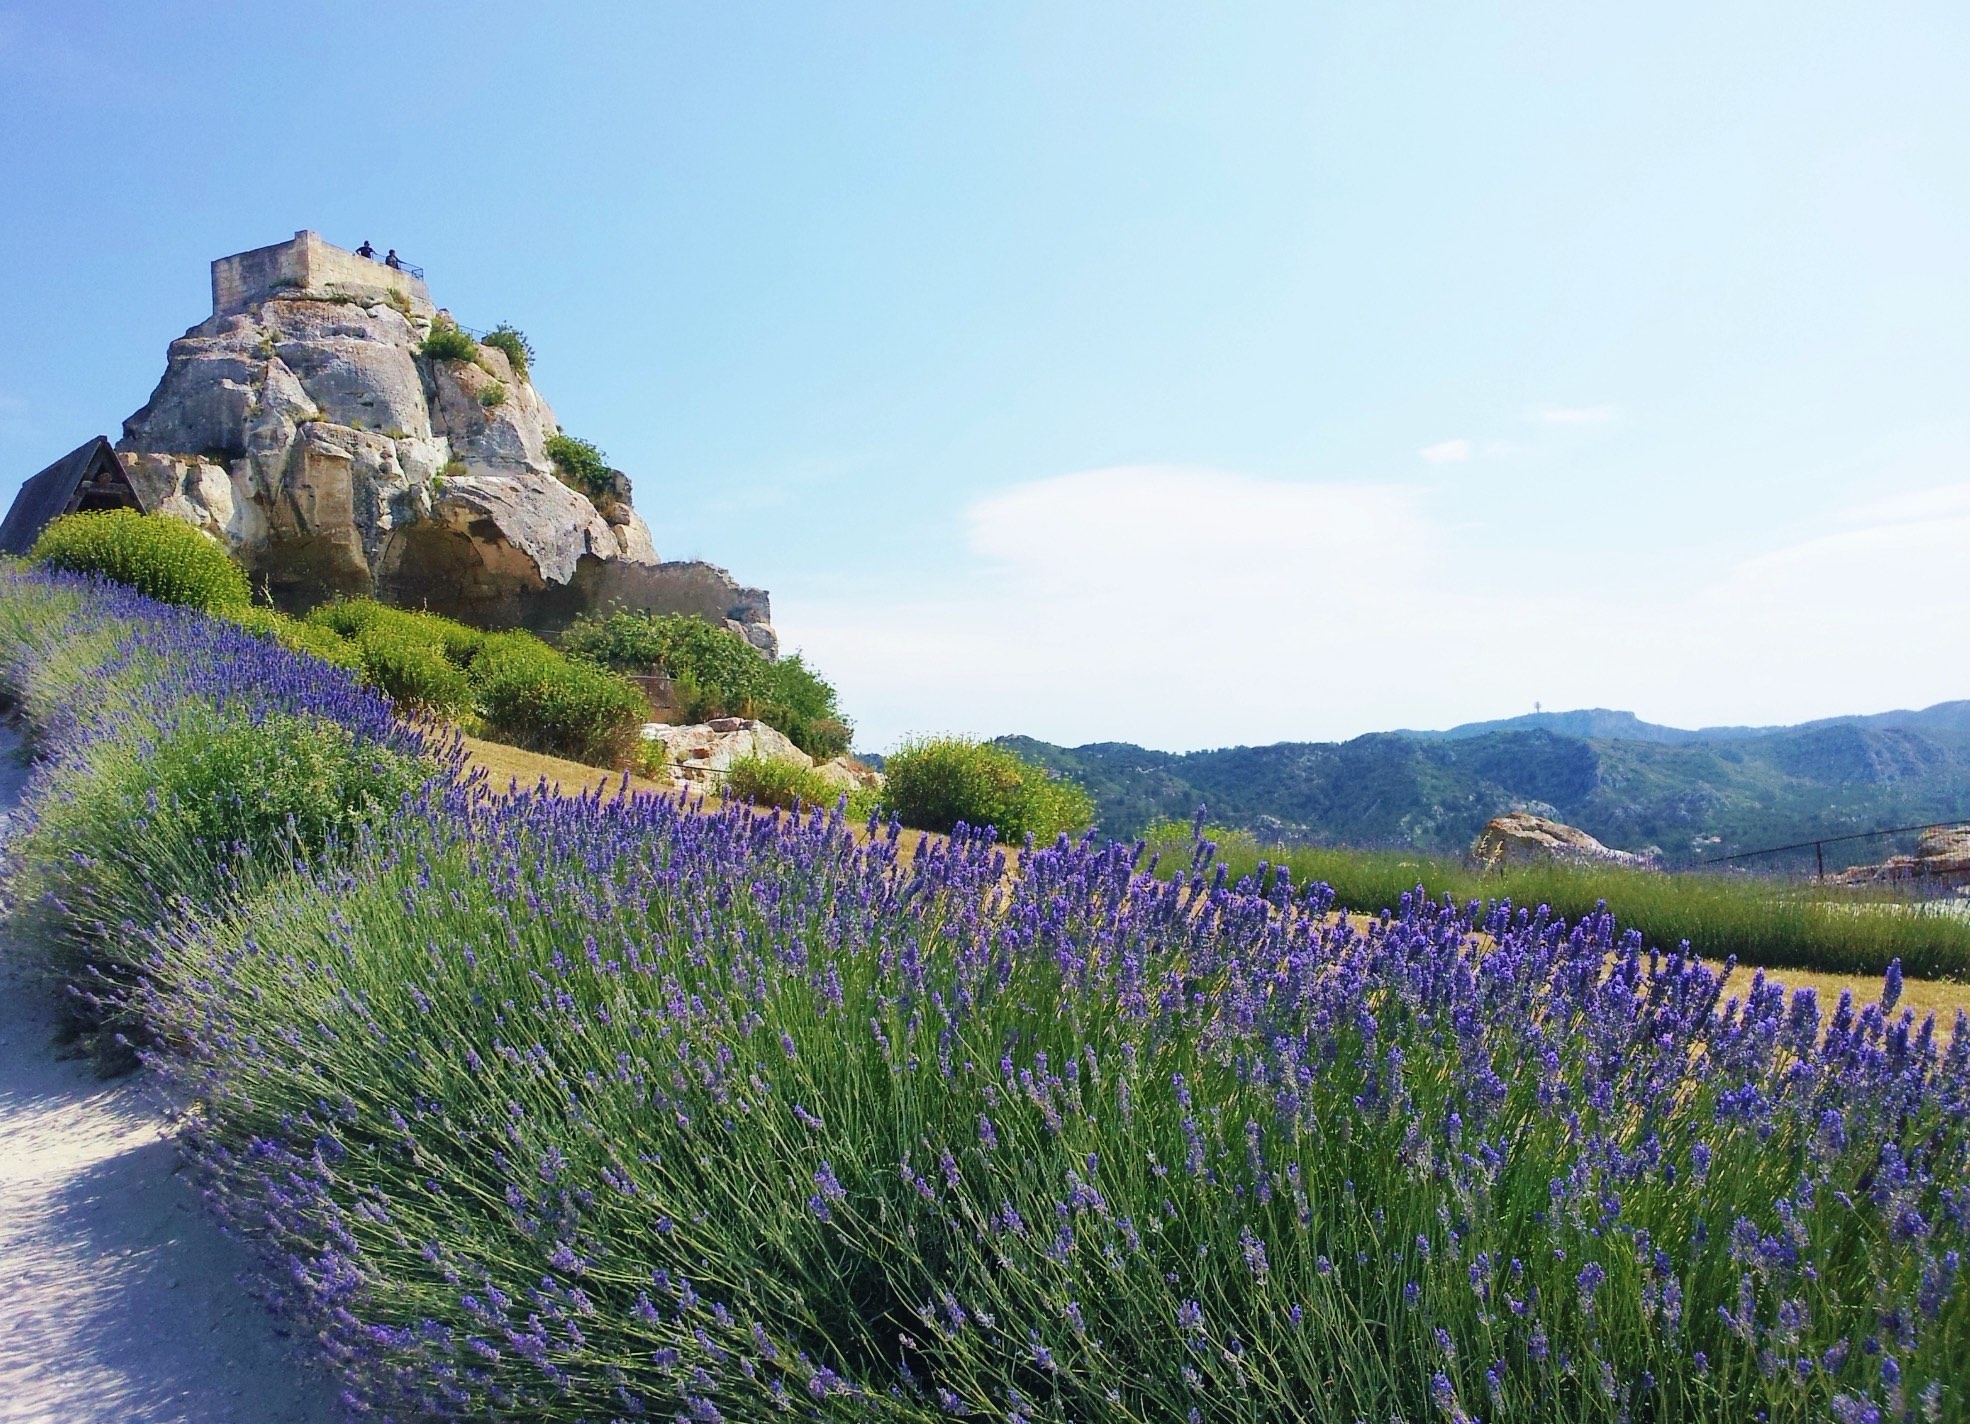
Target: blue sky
(1182, 374)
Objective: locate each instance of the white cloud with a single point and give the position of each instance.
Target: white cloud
(1447, 452)
(1187, 607)
(1574, 415)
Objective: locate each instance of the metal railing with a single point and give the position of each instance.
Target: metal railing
(409, 269)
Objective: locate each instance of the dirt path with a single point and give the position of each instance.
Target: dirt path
(120, 1300)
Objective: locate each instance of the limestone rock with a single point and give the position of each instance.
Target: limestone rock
(848, 774)
(1520, 838)
(301, 425)
(1941, 862)
(703, 752)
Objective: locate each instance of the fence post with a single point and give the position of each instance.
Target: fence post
(1819, 859)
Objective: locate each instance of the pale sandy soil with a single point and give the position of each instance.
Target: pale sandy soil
(120, 1300)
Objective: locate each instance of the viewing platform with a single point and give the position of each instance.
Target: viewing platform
(307, 265)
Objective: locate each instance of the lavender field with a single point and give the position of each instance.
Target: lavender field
(572, 1109)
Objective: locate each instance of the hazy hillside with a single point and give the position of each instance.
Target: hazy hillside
(1605, 724)
(1745, 788)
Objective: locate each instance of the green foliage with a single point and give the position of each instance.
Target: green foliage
(935, 783)
(493, 395)
(447, 342)
(356, 617)
(580, 465)
(1761, 922)
(511, 687)
(779, 782)
(718, 674)
(299, 636)
(155, 554)
(802, 704)
(510, 339)
(721, 666)
(206, 811)
(535, 698)
(413, 673)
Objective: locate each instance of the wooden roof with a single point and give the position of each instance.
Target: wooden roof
(87, 477)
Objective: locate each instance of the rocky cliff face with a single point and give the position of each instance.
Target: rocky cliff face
(309, 434)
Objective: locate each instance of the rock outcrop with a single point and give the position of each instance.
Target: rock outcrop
(1520, 838)
(303, 426)
(1941, 862)
(700, 754)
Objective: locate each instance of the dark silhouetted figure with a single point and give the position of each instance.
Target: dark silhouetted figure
(392, 260)
(366, 250)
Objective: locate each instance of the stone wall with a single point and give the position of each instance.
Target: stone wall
(306, 263)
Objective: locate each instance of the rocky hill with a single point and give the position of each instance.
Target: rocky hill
(1693, 799)
(307, 424)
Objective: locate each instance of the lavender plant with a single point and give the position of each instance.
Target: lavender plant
(584, 1108)
(181, 760)
(573, 1110)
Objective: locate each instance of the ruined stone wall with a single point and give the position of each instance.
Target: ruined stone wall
(307, 263)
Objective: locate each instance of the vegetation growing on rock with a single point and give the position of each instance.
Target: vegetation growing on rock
(448, 341)
(580, 464)
(519, 351)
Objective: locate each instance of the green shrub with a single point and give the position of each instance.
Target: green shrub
(209, 810)
(724, 673)
(493, 395)
(718, 674)
(803, 705)
(413, 673)
(934, 783)
(348, 616)
(447, 342)
(155, 554)
(353, 617)
(779, 781)
(511, 687)
(532, 697)
(580, 465)
(510, 339)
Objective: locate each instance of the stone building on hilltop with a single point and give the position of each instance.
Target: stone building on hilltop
(304, 424)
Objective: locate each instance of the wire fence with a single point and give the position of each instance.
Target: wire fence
(1918, 861)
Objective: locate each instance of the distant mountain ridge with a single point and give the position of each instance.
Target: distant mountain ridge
(1604, 724)
(1695, 794)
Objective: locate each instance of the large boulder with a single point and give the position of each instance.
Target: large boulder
(1521, 838)
(308, 432)
(702, 753)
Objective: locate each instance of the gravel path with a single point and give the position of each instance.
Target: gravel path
(120, 1300)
